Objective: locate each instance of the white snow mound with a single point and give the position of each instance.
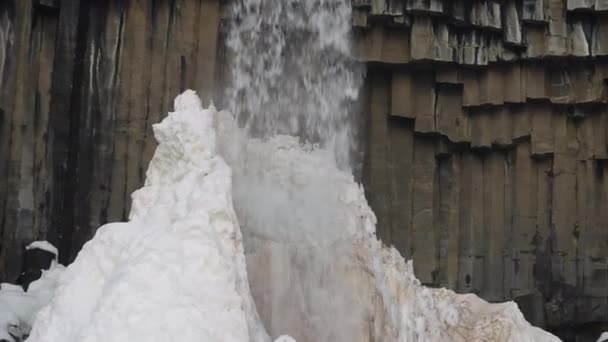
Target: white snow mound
(176, 270)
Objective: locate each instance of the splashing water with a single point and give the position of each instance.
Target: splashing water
(315, 267)
(293, 88)
(310, 265)
(177, 269)
(292, 72)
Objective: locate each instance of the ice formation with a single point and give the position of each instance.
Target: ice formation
(317, 270)
(176, 270)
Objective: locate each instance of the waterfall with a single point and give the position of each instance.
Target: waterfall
(292, 71)
(308, 263)
(315, 267)
(292, 90)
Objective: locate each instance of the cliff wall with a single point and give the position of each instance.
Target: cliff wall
(81, 84)
(487, 160)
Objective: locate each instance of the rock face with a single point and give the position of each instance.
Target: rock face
(177, 267)
(487, 154)
(486, 132)
(75, 134)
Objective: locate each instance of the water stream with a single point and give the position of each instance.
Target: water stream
(292, 89)
(315, 267)
(293, 72)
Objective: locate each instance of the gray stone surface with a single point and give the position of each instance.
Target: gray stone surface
(508, 155)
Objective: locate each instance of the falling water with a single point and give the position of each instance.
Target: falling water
(293, 89)
(292, 72)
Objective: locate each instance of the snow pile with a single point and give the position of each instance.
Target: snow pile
(315, 266)
(416, 313)
(18, 308)
(176, 270)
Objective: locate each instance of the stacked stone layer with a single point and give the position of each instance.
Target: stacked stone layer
(487, 160)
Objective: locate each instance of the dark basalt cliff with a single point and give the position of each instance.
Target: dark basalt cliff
(485, 125)
(487, 153)
(81, 84)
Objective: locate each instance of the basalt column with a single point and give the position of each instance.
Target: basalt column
(488, 147)
(81, 83)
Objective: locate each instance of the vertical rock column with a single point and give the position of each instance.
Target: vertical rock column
(81, 83)
(27, 37)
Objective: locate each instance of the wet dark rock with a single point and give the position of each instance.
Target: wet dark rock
(37, 259)
(28, 277)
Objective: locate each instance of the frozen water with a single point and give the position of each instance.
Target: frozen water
(177, 268)
(316, 268)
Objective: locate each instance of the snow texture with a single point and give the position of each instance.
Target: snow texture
(177, 268)
(18, 308)
(43, 245)
(316, 268)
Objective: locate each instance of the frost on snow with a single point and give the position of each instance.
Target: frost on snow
(177, 270)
